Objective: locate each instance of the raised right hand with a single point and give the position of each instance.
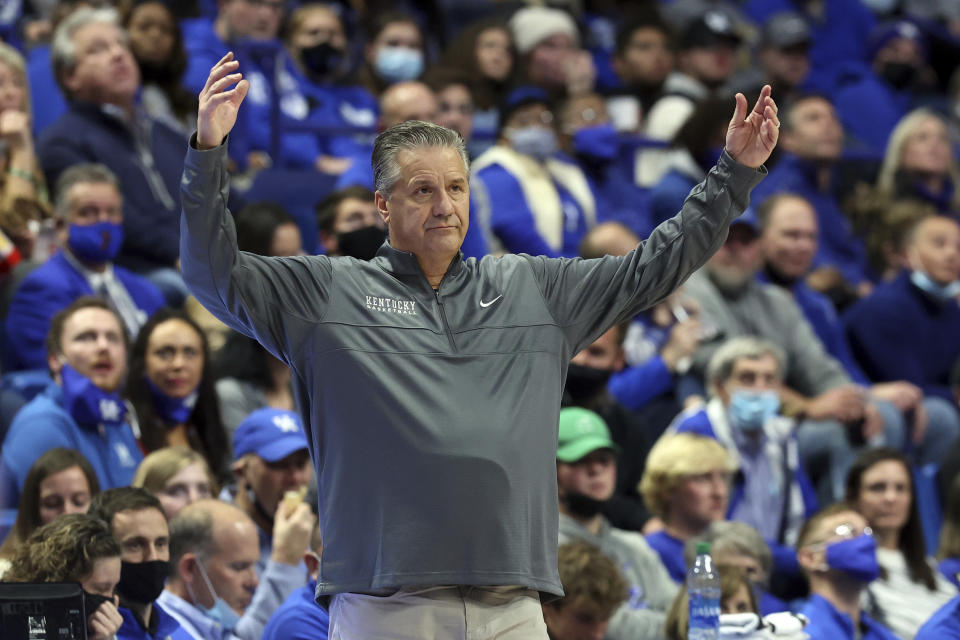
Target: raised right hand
(218, 106)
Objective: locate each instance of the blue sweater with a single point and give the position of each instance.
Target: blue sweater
(868, 107)
(828, 326)
(901, 333)
(942, 625)
(166, 627)
(299, 618)
(151, 196)
(44, 424)
(49, 288)
(826, 623)
(839, 247)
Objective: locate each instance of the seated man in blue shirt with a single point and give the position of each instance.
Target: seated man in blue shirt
(686, 485)
(789, 236)
(772, 492)
(837, 551)
(300, 617)
(214, 591)
(89, 203)
(136, 518)
(82, 408)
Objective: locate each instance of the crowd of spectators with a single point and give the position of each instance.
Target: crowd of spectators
(795, 403)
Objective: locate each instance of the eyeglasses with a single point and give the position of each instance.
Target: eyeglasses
(844, 531)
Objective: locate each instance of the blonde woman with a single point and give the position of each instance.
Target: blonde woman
(178, 476)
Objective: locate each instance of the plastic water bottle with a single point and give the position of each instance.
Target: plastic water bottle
(703, 588)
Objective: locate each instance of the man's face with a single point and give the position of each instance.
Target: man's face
(270, 480)
(232, 568)
(936, 249)
(815, 132)
(787, 67)
(407, 101)
(142, 534)
(789, 240)
(93, 202)
(594, 475)
(92, 343)
(455, 110)
(575, 621)
(903, 50)
(605, 352)
(751, 374)
(405, 35)
(701, 499)
(737, 261)
(255, 19)
(710, 65)
(104, 71)
(352, 214)
(646, 60)
(834, 528)
(427, 212)
(547, 63)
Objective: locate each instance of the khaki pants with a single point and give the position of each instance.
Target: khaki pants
(439, 613)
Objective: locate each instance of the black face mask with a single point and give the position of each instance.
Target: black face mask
(582, 506)
(585, 383)
(142, 582)
(900, 75)
(361, 244)
(322, 60)
(92, 602)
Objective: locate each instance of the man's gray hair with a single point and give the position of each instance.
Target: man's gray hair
(63, 53)
(733, 538)
(87, 173)
(721, 364)
(191, 531)
(407, 136)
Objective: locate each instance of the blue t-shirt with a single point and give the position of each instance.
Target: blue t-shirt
(826, 623)
(671, 554)
(299, 618)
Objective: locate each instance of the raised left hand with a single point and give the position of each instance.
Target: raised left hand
(752, 137)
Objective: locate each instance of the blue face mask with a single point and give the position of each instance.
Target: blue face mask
(943, 292)
(95, 243)
(598, 142)
(856, 557)
(539, 142)
(749, 410)
(87, 403)
(220, 612)
(171, 410)
(397, 64)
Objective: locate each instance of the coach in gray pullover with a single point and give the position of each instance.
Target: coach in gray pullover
(430, 384)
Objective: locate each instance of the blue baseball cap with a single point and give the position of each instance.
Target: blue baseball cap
(272, 434)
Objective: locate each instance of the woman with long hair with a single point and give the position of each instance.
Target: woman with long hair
(76, 548)
(60, 482)
(910, 590)
(170, 384)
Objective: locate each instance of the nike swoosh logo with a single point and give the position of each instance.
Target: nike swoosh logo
(487, 304)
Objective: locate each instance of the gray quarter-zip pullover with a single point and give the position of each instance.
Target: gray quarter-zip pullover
(432, 415)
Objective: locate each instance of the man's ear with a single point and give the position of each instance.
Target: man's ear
(239, 469)
(312, 562)
(382, 207)
(55, 363)
(187, 568)
(810, 560)
(329, 243)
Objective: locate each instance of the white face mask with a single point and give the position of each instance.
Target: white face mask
(221, 612)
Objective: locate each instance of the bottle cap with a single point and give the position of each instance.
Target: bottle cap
(703, 548)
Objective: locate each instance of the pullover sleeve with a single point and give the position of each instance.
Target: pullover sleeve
(258, 296)
(587, 297)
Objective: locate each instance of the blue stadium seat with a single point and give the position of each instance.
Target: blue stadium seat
(927, 496)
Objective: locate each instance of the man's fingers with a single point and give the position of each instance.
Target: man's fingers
(740, 112)
(225, 82)
(225, 96)
(762, 100)
(219, 70)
